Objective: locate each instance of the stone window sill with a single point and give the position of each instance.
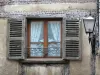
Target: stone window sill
(46, 60)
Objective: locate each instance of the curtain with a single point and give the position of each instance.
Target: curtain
(36, 36)
(54, 35)
(36, 31)
(54, 31)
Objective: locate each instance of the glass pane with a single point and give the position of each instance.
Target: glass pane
(36, 50)
(54, 49)
(54, 29)
(37, 31)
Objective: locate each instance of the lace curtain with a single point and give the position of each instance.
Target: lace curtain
(54, 35)
(54, 38)
(36, 36)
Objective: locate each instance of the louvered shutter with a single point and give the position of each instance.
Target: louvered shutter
(71, 39)
(16, 39)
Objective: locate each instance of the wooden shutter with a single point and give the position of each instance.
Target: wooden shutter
(71, 39)
(16, 39)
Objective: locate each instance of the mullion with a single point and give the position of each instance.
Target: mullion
(36, 42)
(53, 42)
(45, 38)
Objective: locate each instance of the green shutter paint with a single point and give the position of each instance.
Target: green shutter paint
(16, 39)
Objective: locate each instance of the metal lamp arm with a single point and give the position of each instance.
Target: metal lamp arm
(93, 40)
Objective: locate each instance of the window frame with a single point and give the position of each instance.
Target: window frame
(45, 31)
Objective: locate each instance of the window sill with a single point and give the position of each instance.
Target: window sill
(44, 61)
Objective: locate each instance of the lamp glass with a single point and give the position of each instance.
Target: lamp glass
(89, 24)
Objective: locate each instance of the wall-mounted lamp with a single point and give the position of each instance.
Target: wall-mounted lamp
(89, 24)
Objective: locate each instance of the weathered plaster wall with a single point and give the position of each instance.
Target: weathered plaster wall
(11, 67)
(97, 63)
(43, 69)
(49, 7)
(6, 67)
(82, 67)
(2, 2)
(75, 10)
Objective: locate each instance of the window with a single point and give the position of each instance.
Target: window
(44, 38)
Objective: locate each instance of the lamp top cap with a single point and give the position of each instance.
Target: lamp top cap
(89, 18)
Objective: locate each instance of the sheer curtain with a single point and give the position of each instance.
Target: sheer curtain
(36, 36)
(54, 31)
(54, 35)
(37, 32)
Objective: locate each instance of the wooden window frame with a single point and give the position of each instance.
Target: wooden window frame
(45, 31)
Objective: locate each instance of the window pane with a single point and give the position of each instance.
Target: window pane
(36, 50)
(54, 49)
(37, 31)
(54, 29)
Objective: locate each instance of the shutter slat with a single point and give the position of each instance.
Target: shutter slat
(16, 46)
(71, 39)
(16, 28)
